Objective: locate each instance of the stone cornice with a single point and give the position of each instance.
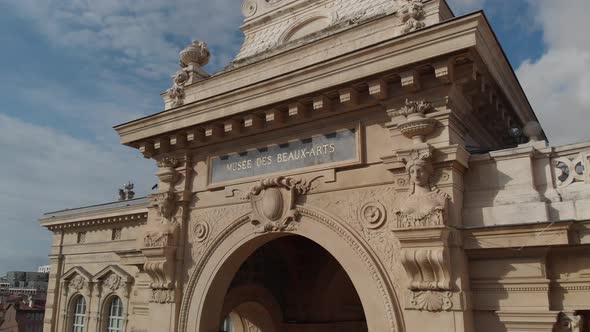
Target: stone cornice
(287, 75)
(518, 236)
(104, 220)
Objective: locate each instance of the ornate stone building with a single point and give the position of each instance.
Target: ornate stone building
(360, 166)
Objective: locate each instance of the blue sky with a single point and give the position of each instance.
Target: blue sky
(70, 70)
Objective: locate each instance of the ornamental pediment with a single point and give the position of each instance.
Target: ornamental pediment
(271, 24)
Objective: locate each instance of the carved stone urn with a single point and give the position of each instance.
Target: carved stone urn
(196, 54)
(417, 126)
(166, 170)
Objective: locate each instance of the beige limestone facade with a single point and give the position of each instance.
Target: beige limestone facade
(360, 166)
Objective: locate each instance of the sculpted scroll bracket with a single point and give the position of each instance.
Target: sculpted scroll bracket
(421, 218)
(273, 203)
(160, 239)
(160, 268)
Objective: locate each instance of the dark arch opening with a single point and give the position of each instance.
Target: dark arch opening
(292, 284)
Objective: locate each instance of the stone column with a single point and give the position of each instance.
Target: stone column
(94, 308)
(426, 218)
(62, 318)
(53, 288)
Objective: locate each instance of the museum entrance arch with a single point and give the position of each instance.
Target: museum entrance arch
(292, 284)
(317, 276)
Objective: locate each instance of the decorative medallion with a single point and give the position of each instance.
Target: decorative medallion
(249, 8)
(273, 203)
(372, 214)
(201, 231)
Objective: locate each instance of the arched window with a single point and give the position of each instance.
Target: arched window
(79, 319)
(228, 325)
(115, 321)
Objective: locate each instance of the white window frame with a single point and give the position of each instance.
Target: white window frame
(116, 320)
(79, 314)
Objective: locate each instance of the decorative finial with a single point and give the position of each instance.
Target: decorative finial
(126, 193)
(196, 54)
(192, 58)
(533, 131)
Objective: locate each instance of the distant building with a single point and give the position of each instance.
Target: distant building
(44, 269)
(4, 287)
(21, 317)
(27, 280)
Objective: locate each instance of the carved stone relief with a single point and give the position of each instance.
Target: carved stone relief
(416, 125)
(424, 205)
(412, 14)
(78, 283)
(566, 323)
(192, 58)
(161, 272)
(161, 237)
(112, 283)
(424, 256)
(269, 36)
(162, 296)
(223, 221)
(206, 224)
(431, 300)
(273, 203)
(572, 170)
(367, 210)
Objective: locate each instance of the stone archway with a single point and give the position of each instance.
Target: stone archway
(202, 304)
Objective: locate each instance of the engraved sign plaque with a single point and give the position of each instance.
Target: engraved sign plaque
(338, 147)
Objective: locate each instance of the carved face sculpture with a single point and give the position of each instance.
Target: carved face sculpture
(180, 77)
(419, 174)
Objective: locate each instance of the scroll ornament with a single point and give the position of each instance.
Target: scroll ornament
(430, 287)
(273, 203)
(161, 272)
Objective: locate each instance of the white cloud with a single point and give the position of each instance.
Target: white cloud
(146, 34)
(44, 170)
(557, 84)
